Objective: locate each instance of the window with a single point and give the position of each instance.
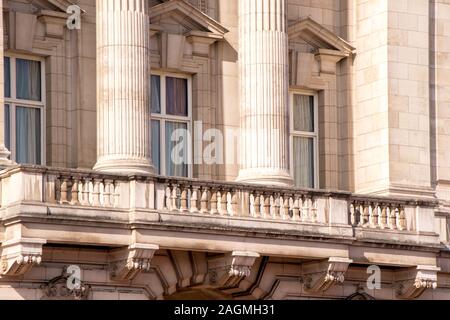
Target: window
(304, 139)
(170, 124)
(24, 109)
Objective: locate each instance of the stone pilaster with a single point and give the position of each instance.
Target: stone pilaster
(123, 40)
(4, 152)
(263, 58)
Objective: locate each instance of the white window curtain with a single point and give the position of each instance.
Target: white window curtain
(178, 168)
(156, 94)
(304, 162)
(28, 135)
(28, 79)
(156, 147)
(303, 113)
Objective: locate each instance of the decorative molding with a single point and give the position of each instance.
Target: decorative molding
(327, 59)
(54, 23)
(188, 16)
(228, 270)
(319, 37)
(127, 263)
(18, 256)
(56, 289)
(413, 282)
(321, 276)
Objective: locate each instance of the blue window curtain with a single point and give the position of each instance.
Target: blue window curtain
(156, 94)
(7, 73)
(28, 135)
(28, 79)
(304, 162)
(156, 147)
(176, 97)
(178, 168)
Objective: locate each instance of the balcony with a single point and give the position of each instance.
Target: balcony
(57, 197)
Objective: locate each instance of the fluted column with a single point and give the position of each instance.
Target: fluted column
(264, 152)
(123, 135)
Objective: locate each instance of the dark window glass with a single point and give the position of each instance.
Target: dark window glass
(176, 96)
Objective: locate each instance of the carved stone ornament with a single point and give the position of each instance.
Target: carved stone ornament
(228, 270)
(127, 263)
(412, 283)
(321, 276)
(64, 288)
(19, 255)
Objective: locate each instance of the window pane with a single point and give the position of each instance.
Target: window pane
(156, 94)
(303, 113)
(177, 153)
(28, 135)
(156, 146)
(304, 162)
(7, 128)
(7, 71)
(28, 79)
(176, 96)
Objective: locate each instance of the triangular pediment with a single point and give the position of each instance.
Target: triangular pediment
(319, 37)
(53, 5)
(186, 15)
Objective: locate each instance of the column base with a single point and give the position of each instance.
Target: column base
(266, 176)
(4, 161)
(125, 166)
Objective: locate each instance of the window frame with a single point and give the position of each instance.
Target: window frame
(13, 103)
(304, 134)
(163, 117)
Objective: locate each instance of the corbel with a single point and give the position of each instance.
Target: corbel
(412, 283)
(228, 270)
(54, 23)
(18, 256)
(322, 275)
(328, 59)
(127, 263)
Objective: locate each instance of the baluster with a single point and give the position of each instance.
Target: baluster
(183, 199)
(107, 193)
(234, 203)
(116, 195)
(313, 209)
(204, 200)
(352, 214)
(166, 199)
(96, 193)
(75, 185)
(194, 199)
(213, 202)
(305, 209)
(277, 206)
(64, 189)
(296, 209)
(257, 205)
(402, 219)
(266, 206)
(392, 218)
(383, 217)
(365, 215)
(374, 216)
(286, 207)
(223, 202)
(174, 198)
(84, 199)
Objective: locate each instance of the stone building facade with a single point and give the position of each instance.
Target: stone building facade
(314, 134)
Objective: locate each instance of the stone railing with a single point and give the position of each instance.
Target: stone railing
(223, 200)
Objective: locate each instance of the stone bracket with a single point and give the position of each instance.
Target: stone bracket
(228, 270)
(322, 275)
(412, 283)
(127, 263)
(18, 256)
(54, 23)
